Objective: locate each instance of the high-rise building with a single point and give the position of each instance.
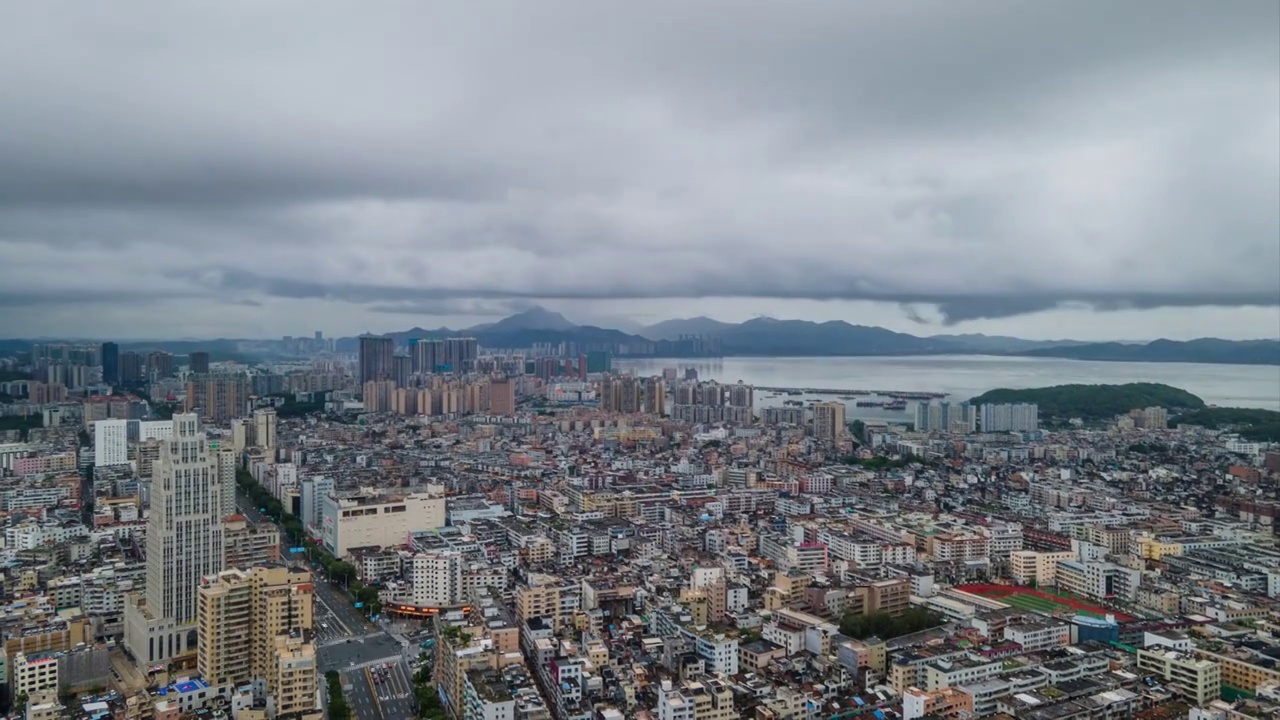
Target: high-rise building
(379, 395)
(250, 623)
(655, 396)
(610, 392)
(264, 429)
(198, 362)
(1014, 417)
(184, 544)
(159, 365)
(401, 369)
(376, 353)
(828, 421)
(628, 394)
(741, 395)
(945, 417)
(225, 455)
(435, 578)
(110, 363)
(110, 443)
(217, 397)
(426, 356)
(131, 368)
(502, 397)
(460, 354)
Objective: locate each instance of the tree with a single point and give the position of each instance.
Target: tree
(857, 428)
(885, 626)
(342, 571)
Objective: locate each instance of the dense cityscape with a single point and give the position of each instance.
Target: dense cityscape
(663, 360)
(433, 529)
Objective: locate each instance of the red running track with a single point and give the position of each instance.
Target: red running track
(995, 592)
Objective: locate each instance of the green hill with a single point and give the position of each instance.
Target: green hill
(1095, 402)
(1252, 424)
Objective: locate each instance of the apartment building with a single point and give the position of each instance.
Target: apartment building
(30, 673)
(1037, 636)
(244, 615)
(1199, 679)
(947, 702)
(829, 421)
(963, 670)
(249, 545)
(865, 551)
(292, 675)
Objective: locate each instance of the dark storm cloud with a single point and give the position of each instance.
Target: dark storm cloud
(988, 158)
(483, 300)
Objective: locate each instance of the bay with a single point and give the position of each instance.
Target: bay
(964, 376)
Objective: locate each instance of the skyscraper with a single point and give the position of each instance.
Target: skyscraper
(131, 367)
(184, 544)
(198, 362)
(110, 363)
(426, 355)
(401, 369)
(460, 353)
(159, 365)
(218, 397)
(376, 358)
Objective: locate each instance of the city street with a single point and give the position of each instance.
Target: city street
(347, 642)
(360, 696)
(382, 691)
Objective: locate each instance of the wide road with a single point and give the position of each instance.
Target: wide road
(396, 692)
(381, 692)
(347, 642)
(360, 696)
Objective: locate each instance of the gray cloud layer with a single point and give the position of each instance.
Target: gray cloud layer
(990, 158)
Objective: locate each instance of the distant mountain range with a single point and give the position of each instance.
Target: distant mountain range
(770, 337)
(702, 337)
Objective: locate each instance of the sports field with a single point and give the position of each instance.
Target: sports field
(1025, 598)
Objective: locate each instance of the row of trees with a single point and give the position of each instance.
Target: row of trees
(339, 571)
(338, 707)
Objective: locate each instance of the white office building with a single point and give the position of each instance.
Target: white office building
(111, 443)
(184, 544)
(154, 430)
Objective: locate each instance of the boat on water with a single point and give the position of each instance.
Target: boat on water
(871, 403)
(896, 405)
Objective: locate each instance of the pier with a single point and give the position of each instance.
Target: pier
(906, 394)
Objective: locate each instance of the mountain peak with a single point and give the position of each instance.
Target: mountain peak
(535, 318)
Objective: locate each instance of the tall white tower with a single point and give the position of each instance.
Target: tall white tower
(184, 532)
(184, 544)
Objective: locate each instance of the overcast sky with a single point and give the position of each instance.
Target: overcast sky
(1095, 170)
